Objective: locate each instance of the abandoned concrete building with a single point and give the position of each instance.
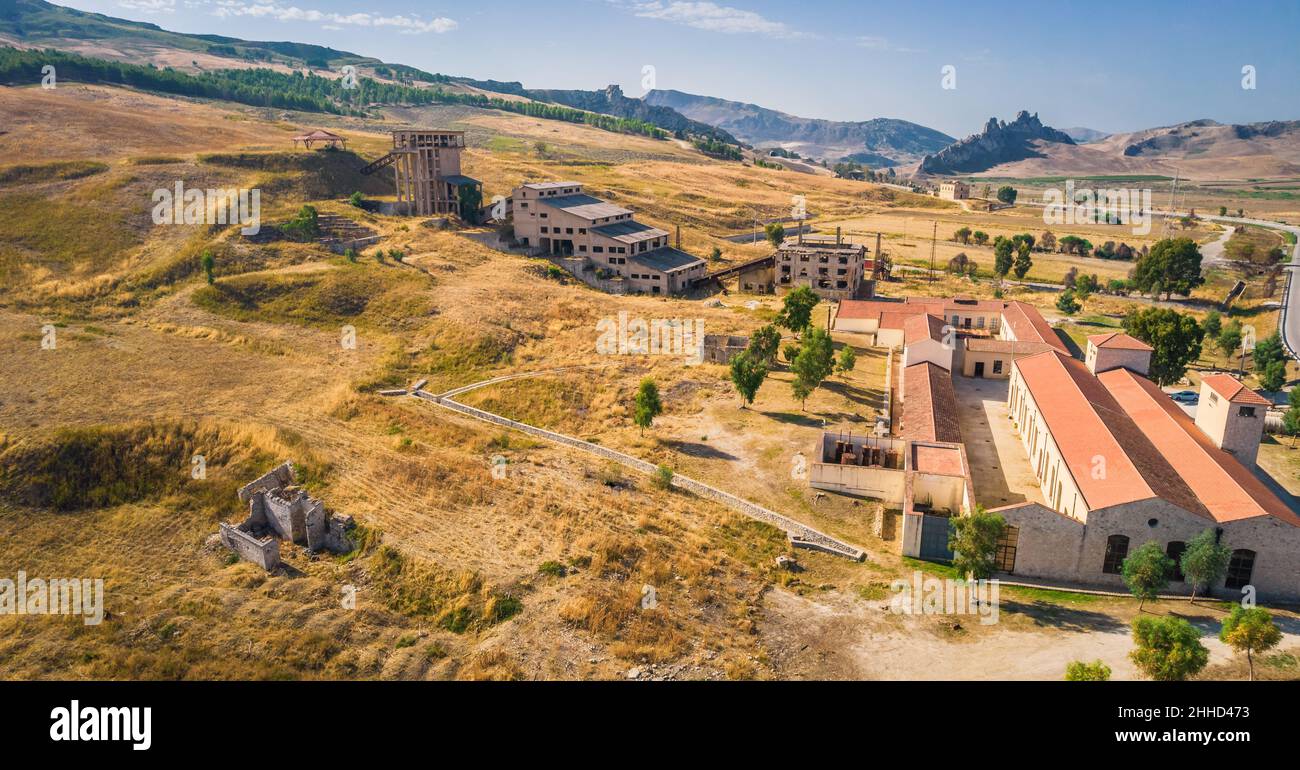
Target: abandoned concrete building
(721, 348)
(280, 510)
(1116, 461)
(427, 172)
(559, 219)
(832, 267)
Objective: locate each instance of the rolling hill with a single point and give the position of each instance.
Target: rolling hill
(878, 142)
(1199, 149)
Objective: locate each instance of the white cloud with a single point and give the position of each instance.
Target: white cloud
(407, 25)
(148, 6)
(877, 43)
(714, 18)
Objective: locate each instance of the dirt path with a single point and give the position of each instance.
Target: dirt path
(839, 637)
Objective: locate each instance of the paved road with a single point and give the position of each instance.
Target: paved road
(1290, 322)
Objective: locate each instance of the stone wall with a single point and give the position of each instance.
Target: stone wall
(262, 551)
(279, 511)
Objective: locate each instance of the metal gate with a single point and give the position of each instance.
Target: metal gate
(934, 538)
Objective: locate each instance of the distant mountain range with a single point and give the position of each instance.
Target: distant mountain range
(878, 142)
(1198, 149)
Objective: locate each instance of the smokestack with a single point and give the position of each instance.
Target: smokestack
(679, 237)
(837, 237)
(799, 232)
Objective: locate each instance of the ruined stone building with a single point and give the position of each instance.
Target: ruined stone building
(280, 510)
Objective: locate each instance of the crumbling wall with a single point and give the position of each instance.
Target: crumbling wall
(279, 511)
(277, 478)
(262, 551)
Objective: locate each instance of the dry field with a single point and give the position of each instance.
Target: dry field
(539, 574)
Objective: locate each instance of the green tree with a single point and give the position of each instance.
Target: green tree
(747, 374)
(796, 309)
(1213, 324)
(469, 199)
(1249, 631)
(775, 234)
(847, 360)
(764, 342)
(1173, 266)
(1204, 561)
(1066, 303)
(208, 264)
(356, 199)
(1146, 572)
(648, 405)
(304, 226)
(1007, 194)
(814, 363)
(663, 478)
(1229, 339)
(1267, 352)
(980, 237)
(716, 254)
(962, 235)
(1273, 377)
(1168, 649)
(1291, 418)
(1079, 671)
(1023, 262)
(1175, 339)
(973, 541)
(1002, 258)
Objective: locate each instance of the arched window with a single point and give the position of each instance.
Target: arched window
(1175, 551)
(1240, 566)
(1116, 553)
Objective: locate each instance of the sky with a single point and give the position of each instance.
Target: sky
(1114, 67)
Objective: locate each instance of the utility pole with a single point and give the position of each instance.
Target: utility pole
(934, 233)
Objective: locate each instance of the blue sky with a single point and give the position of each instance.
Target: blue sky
(1111, 66)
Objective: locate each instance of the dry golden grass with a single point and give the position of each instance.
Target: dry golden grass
(258, 359)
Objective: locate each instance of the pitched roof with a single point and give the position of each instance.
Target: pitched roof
(1014, 347)
(629, 231)
(929, 404)
(1118, 340)
(1028, 325)
(665, 259)
(1228, 489)
(1111, 460)
(922, 327)
(586, 206)
(1231, 388)
(319, 133)
(549, 185)
(858, 308)
(959, 303)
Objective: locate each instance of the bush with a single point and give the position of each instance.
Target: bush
(1079, 671)
(553, 568)
(663, 478)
